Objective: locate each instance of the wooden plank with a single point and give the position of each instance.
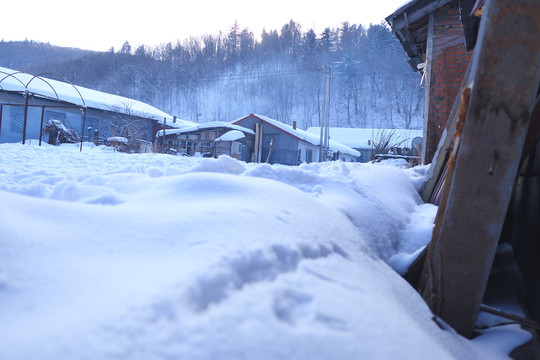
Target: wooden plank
(438, 164)
(440, 193)
(522, 229)
(534, 129)
(505, 70)
(504, 314)
(427, 78)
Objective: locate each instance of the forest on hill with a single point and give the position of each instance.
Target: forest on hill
(283, 75)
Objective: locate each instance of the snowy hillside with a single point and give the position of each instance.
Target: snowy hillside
(279, 73)
(106, 255)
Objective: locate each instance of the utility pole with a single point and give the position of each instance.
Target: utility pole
(325, 116)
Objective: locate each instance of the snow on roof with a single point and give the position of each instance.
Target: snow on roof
(119, 139)
(231, 135)
(304, 135)
(364, 138)
(12, 80)
(207, 125)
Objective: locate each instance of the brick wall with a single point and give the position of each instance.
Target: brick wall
(448, 66)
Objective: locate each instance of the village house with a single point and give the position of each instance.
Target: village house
(278, 143)
(209, 139)
(28, 103)
(403, 143)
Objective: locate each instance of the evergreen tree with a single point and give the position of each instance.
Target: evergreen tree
(126, 48)
(225, 76)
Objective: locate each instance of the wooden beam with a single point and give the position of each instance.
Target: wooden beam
(418, 10)
(534, 129)
(427, 78)
(506, 73)
(445, 165)
(515, 318)
(438, 164)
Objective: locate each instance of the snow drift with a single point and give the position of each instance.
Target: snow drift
(106, 255)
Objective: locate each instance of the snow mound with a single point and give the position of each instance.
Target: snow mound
(107, 255)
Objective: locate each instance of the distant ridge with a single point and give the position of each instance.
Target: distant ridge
(31, 55)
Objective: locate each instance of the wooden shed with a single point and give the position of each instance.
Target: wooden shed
(484, 174)
(403, 143)
(232, 144)
(209, 139)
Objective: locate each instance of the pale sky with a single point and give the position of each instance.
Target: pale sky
(102, 24)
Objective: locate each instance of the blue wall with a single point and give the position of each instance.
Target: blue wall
(12, 120)
(286, 148)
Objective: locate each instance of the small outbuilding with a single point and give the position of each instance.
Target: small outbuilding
(404, 143)
(209, 139)
(230, 144)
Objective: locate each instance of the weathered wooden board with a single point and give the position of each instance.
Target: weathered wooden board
(506, 74)
(438, 166)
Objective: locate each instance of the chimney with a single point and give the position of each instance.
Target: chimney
(174, 119)
(294, 125)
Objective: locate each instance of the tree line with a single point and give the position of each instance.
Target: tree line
(281, 74)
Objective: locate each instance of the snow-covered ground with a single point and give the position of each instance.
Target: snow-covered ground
(105, 255)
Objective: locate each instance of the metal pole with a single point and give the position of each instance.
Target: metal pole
(26, 98)
(41, 126)
(164, 126)
(83, 122)
(1, 111)
(323, 111)
(259, 154)
(327, 117)
(257, 134)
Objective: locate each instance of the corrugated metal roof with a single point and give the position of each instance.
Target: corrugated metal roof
(16, 81)
(207, 125)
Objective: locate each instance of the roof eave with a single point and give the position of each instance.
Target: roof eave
(400, 21)
(412, 12)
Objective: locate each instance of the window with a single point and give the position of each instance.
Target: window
(55, 115)
(299, 156)
(16, 119)
(309, 156)
(91, 122)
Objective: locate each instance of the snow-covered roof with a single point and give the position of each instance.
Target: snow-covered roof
(207, 125)
(41, 86)
(231, 135)
(364, 138)
(304, 135)
(119, 139)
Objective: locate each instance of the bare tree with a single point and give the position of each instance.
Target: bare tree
(408, 98)
(126, 123)
(384, 141)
